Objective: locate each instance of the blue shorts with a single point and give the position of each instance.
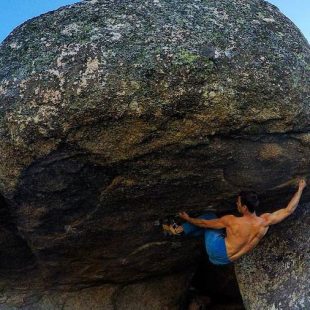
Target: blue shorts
(214, 240)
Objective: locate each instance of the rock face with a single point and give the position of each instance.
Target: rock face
(114, 115)
(276, 274)
(156, 294)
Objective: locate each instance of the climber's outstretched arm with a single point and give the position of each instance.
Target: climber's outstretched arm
(214, 223)
(280, 215)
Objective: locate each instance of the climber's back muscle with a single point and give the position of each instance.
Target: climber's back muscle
(243, 234)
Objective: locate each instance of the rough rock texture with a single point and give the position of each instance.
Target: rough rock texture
(276, 274)
(165, 293)
(115, 114)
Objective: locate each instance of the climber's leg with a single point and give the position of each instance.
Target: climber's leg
(190, 229)
(216, 247)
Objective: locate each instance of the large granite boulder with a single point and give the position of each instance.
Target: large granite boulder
(115, 115)
(276, 274)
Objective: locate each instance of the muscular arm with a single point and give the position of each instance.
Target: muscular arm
(214, 223)
(280, 215)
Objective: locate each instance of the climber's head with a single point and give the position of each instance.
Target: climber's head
(247, 201)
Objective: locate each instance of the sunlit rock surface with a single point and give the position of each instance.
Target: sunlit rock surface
(115, 115)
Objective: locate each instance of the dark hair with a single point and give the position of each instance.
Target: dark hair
(250, 199)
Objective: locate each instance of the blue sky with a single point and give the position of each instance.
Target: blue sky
(297, 11)
(15, 12)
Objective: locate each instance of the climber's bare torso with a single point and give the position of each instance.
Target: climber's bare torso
(243, 234)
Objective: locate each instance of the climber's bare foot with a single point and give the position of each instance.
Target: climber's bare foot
(173, 229)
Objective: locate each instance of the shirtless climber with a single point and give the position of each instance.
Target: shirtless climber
(242, 233)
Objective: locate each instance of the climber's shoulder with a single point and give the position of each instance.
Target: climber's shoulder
(227, 219)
